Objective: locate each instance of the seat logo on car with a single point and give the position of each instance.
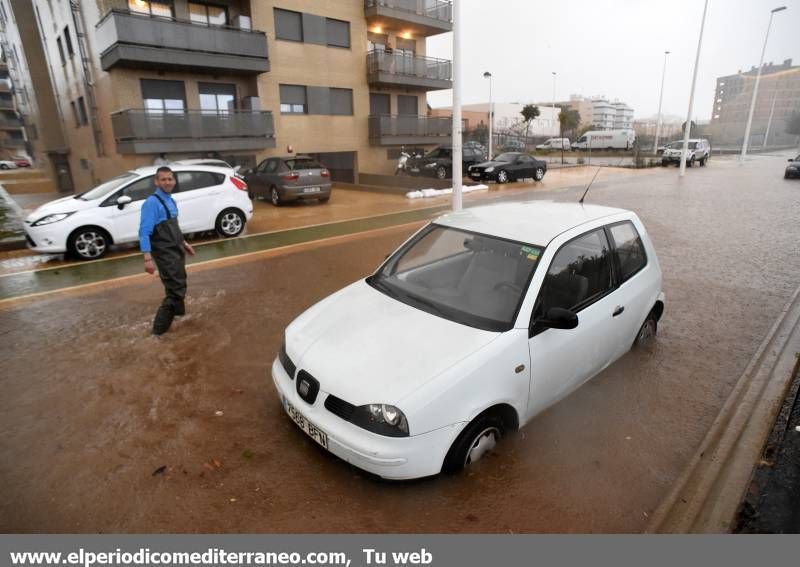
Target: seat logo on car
(303, 388)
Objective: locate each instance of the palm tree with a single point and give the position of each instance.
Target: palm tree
(529, 113)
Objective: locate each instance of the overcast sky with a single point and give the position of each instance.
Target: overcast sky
(613, 48)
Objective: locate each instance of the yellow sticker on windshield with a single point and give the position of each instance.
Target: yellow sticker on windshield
(530, 252)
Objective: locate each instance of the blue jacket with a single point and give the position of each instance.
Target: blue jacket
(152, 214)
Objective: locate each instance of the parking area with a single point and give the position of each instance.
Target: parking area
(107, 429)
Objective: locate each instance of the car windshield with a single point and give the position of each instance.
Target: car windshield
(105, 188)
(507, 157)
(692, 145)
(675, 145)
(306, 163)
(473, 279)
(439, 153)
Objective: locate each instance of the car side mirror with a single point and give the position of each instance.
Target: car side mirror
(122, 201)
(559, 318)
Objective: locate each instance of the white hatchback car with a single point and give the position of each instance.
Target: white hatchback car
(208, 198)
(477, 323)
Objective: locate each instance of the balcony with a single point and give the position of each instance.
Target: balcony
(6, 104)
(394, 69)
(138, 41)
(401, 129)
(420, 17)
(10, 123)
(142, 132)
(12, 143)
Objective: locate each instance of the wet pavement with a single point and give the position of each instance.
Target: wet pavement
(94, 406)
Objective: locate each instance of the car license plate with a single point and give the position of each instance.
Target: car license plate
(311, 190)
(475, 175)
(414, 170)
(311, 430)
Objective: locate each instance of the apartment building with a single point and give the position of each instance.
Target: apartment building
(600, 113)
(507, 117)
(777, 100)
(344, 81)
(14, 95)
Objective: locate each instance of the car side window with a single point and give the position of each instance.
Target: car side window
(262, 167)
(628, 249)
(579, 274)
(271, 166)
(137, 191)
(192, 180)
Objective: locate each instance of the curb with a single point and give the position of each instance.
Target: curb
(706, 496)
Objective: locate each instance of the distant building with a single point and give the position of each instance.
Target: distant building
(600, 113)
(778, 98)
(507, 118)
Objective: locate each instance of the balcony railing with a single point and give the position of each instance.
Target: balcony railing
(142, 131)
(12, 142)
(390, 68)
(126, 39)
(429, 17)
(10, 123)
(387, 129)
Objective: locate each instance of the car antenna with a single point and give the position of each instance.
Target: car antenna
(590, 184)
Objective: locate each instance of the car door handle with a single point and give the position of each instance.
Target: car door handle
(618, 310)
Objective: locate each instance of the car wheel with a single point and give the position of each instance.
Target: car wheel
(275, 196)
(479, 438)
(3, 166)
(88, 243)
(502, 176)
(441, 172)
(324, 199)
(538, 175)
(703, 161)
(647, 331)
(230, 222)
(690, 162)
(663, 163)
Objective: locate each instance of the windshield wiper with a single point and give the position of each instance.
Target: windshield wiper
(427, 303)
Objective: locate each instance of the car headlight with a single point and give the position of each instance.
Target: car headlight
(382, 419)
(50, 219)
(489, 169)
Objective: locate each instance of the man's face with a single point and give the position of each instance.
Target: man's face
(165, 180)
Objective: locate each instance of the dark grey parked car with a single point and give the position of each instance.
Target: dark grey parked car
(289, 178)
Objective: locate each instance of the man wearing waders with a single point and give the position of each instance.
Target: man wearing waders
(161, 240)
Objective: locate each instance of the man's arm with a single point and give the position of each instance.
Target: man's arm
(147, 223)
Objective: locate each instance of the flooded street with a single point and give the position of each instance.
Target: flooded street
(94, 407)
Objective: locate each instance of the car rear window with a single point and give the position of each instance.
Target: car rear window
(191, 180)
(629, 249)
(296, 164)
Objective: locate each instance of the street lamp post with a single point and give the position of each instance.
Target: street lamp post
(488, 75)
(660, 99)
(553, 102)
(769, 121)
(755, 87)
(688, 126)
(457, 162)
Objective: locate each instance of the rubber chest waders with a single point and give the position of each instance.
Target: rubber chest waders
(170, 258)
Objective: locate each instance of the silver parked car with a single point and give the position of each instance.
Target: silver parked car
(289, 178)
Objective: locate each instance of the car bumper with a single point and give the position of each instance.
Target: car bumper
(47, 239)
(792, 173)
(483, 176)
(397, 458)
(295, 193)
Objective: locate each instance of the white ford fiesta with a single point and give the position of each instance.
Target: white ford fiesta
(87, 224)
(477, 323)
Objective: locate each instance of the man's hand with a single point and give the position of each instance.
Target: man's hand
(149, 265)
(188, 247)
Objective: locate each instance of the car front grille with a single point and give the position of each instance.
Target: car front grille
(307, 387)
(339, 407)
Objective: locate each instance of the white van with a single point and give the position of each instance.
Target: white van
(606, 140)
(555, 144)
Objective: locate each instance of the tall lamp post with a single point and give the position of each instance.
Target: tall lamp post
(660, 99)
(457, 162)
(755, 87)
(488, 75)
(688, 126)
(553, 101)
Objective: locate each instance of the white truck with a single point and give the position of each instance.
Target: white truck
(606, 140)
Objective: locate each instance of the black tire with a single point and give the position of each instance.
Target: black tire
(275, 196)
(3, 166)
(441, 172)
(703, 161)
(88, 243)
(690, 162)
(230, 223)
(664, 163)
(467, 444)
(502, 176)
(324, 199)
(538, 175)
(647, 332)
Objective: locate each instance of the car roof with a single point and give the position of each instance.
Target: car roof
(532, 222)
(199, 161)
(151, 169)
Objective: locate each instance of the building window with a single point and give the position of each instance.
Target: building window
(208, 14)
(82, 111)
(217, 98)
(75, 114)
(61, 51)
(163, 96)
(341, 102)
(160, 9)
(338, 33)
(293, 99)
(288, 25)
(68, 41)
